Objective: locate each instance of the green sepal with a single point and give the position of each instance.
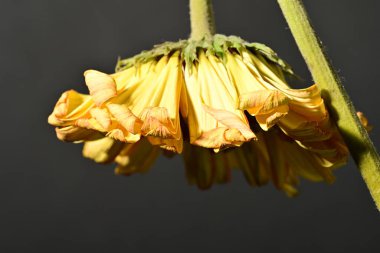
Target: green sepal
(271, 55)
(190, 50)
(158, 51)
(217, 45)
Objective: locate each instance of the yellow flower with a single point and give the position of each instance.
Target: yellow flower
(223, 104)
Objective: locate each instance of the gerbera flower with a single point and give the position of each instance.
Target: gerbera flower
(221, 102)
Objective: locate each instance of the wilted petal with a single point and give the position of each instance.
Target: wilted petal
(231, 121)
(76, 134)
(269, 76)
(307, 163)
(157, 123)
(266, 121)
(211, 113)
(102, 87)
(130, 114)
(244, 78)
(263, 101)
(123, 135)
(363, 119)
(300, 128)
(70, 107)
(102, 117)
(155, 100)
(308, 124)
(215, 139)
(126, 118)
(89, 123)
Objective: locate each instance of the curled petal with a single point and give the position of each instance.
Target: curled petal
(90, 123)
(262, 101)
(76, 134)
(231, 120)
(267, 121)
(300, 128)
(70, 107)
(62, 106)
(123, 136)
(157, 123)
(102, 87)
(160, 129)
(126, 118)
(102, 117)
(306, 163)
(269, 106)
(216, 139)
(309, 94)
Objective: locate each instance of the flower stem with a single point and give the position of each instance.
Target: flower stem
(342, 109)
(202, 19)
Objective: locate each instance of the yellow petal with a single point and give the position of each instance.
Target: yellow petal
(155, 100)
(259, 66)
(306, 163)
(76, 134)
(199, 168)
(221, 168)
(102, 117)
(89, 123)
(244, 78)
(136, 157)
(211, 106)
(266, 121)
(215, 139)
(102, 87)
(126, 118)
(280, 169)
(70, 107)
(231, 121)
(157, 123)
(103, 150)
(252, 159)
(262, 102)
(132, 76)
(122, 135)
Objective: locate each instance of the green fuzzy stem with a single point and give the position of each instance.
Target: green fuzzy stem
(202, 19)
(342, 109)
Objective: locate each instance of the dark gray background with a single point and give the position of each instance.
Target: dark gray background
(53, 200)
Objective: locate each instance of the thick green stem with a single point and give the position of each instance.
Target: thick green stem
(202, 19)
(343, 111)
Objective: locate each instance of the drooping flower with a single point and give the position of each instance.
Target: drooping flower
(222, 102)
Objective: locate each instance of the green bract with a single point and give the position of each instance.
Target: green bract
(216, 45)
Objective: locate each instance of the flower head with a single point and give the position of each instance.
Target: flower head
(222, 102)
